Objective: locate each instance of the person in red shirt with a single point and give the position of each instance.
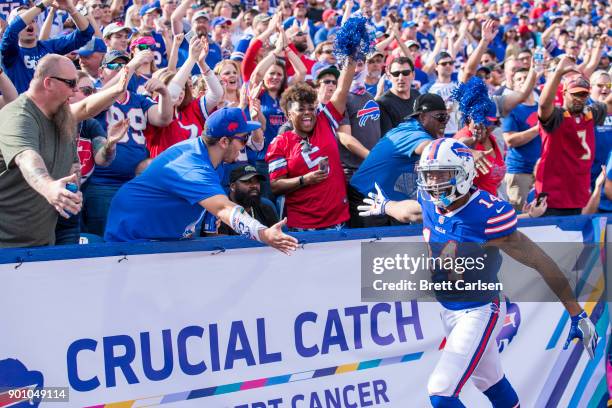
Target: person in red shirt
(305, 162)
(568, 140)
(480, 137)
(189, 113)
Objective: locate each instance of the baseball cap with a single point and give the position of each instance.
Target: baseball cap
(409, 24)
(113, 28)
(228, 122)
(244, 173)
(577, 83)
(428, 103)
(375, 53)
(484, 68)
(217, 21)
(93, 45)
(149, 8)
(262, 17)
(321, 69)
(147, 40)
(412, 43)
(298, 2)
(328, 13)
(113, 55)
(199, 14)
(441, 56)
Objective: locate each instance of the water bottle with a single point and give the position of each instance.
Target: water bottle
(73, 188)
(538, 58)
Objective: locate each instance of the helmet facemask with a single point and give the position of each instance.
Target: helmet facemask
(443, 185)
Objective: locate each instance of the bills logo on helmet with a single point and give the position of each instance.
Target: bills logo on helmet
(14, 375)
(460, 150)
(369, 111)
(511, 325)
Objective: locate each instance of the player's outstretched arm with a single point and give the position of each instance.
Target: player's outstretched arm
(524, 250)
(378, 204)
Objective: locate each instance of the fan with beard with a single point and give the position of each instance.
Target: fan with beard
(65, 123)
(248, 198)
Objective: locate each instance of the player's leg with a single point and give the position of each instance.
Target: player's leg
(489, 376)
(472, 330)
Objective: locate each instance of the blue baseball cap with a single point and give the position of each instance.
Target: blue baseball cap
(228, 122)
(148, 8)
(217, 21)
(93, 45)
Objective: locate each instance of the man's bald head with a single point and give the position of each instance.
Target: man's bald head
(54, 65)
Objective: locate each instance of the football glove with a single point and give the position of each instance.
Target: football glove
(583, 328)
(375, 204)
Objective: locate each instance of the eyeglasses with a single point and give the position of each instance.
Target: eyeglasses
(70, 82)
(608, 85)
(143, 47)
(87, 90)
(114, 66)
(405, 72)
(446, 63)
(329, 82)
(441, 117)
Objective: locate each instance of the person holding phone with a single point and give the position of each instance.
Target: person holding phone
(304, 162)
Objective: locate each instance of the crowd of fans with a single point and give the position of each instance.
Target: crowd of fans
(94, 91)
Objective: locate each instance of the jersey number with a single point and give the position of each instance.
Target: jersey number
(582, 134)
(488, 204)
(138, 123)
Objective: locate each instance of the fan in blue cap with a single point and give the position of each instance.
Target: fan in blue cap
(182, 186)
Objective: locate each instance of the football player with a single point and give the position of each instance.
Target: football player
(453, 211)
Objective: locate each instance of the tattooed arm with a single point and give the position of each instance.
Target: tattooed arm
(35, 173)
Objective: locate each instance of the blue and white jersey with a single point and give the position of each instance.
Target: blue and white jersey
(20, 63)
(461, 233)
(159, 50)
(163, 202)
(131, 149)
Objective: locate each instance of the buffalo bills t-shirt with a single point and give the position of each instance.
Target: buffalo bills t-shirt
(522, 159)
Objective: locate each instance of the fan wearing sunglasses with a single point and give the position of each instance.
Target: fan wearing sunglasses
(397, 102)
(38, 136)
(144, 45)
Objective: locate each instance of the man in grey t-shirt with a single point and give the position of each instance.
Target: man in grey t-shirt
(37, 155)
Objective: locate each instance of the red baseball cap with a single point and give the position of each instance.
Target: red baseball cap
(577, 84)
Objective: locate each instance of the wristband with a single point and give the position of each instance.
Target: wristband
(41, 6)
(244, 224)
(301, 181)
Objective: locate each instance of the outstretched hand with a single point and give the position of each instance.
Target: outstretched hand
(582, 328)
(276, 238)
(375, 204)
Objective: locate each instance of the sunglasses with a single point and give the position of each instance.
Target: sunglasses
(405, 72)
(327, 52)
(70, 82)
(143, 47)
(87, 90)
(608, 85)
(329, 82)
(446, 63)
(114, 66)
(441, 117)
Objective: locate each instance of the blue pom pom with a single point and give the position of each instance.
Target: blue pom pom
(354, 39)
(473, 99)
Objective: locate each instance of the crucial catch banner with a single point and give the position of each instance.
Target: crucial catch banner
(251, 328)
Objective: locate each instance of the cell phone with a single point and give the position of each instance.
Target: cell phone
(324, 164)
(541, 198)
(189, 36)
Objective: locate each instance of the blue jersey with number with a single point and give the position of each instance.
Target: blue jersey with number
(159, 50)
(20, 62)
(131, 149)
(275, 118)
(461, 233)
(163, 202)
